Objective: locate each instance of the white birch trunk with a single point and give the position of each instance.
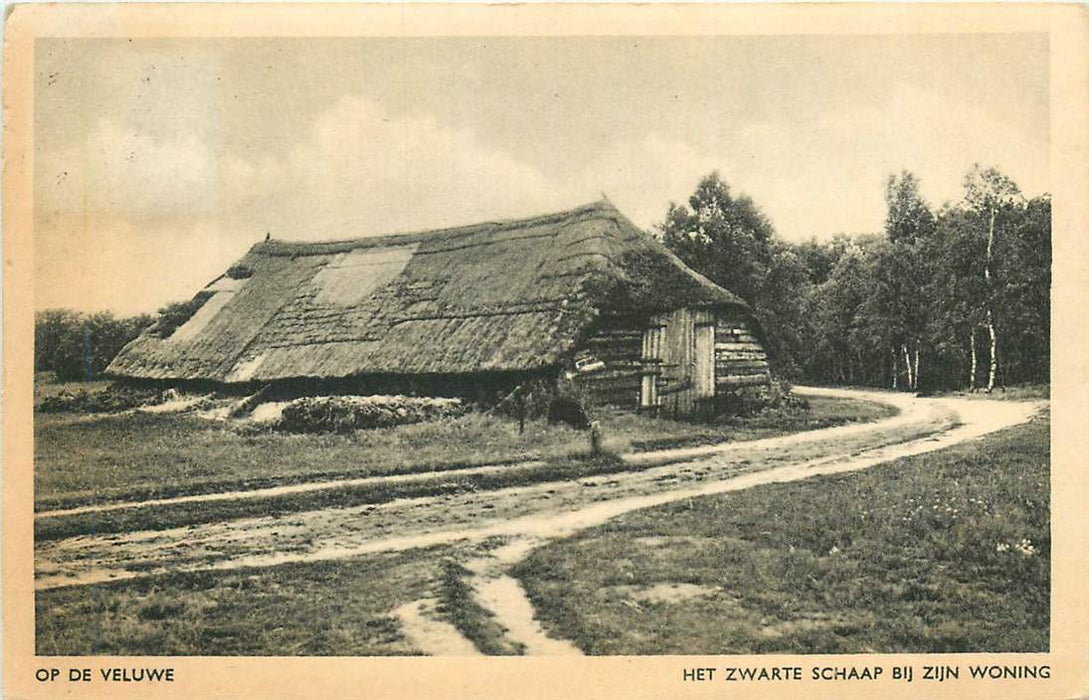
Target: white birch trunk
(907, 366)
(975, 364)
(994, 353)
(895, 370)
(990, 318)
(915, 372)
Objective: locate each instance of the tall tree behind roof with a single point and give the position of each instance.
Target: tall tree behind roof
(724, 237)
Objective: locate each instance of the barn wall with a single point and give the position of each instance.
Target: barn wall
(618, 342)
(683, 383)
(740, 359)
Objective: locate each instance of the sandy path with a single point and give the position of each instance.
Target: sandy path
(538, 512)
(635, 459)
(272, 491)
(504, 596)
(421, 623)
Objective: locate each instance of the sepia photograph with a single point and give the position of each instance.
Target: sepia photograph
(542, 345)
(548, 344)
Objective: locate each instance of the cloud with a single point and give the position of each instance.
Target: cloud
(118, 170)
(158, 217)
(358, 170)
(130, 223)
(362, 171)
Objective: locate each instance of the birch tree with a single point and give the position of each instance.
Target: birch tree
(935, 299)
(986, 192)
(909, 227)
(1023, 293)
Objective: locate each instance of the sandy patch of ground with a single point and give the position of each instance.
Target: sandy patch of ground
(663, 593)
(268, 412)
(429, 633)
(505, 597)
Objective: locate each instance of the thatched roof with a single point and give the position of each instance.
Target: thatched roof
(512, 295)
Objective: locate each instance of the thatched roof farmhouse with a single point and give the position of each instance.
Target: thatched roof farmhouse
(582, 292)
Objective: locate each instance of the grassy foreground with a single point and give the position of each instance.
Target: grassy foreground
(944, 552)
(336, 608)
(90, 459)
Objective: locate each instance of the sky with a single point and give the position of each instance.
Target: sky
(159, 162)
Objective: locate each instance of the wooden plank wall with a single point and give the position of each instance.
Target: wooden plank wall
(618, 342)
(628, 353)
(677, 386)
(740, 359)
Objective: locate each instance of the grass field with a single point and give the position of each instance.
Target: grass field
(944, 552)
(341, 608)
(166, 516)
(134, 456)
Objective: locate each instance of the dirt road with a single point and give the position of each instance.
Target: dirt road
(525, 516)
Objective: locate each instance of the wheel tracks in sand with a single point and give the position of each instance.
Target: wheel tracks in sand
(334, 533)
(325, 535)
(288, 489)
(637, 459)
(429, 633)
(505, 598)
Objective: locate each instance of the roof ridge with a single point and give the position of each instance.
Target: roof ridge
(601, 206)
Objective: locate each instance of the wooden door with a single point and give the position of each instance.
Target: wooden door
(651, 360)
(704, 362)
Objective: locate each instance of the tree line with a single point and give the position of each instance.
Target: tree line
(78, 347)
(948, 298)
(956, 297)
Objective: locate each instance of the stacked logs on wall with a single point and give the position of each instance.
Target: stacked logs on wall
(740, 360)
(617, 349)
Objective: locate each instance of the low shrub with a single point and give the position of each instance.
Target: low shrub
(776, 397)
(529, 400)
(571, 404)
(341, 414)
(566, 401)
(113, 399)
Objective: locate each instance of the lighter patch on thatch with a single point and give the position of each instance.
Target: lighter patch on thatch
(226, 284)
(493, 297)
(245, 370)
(351, 277)
(196, 323)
